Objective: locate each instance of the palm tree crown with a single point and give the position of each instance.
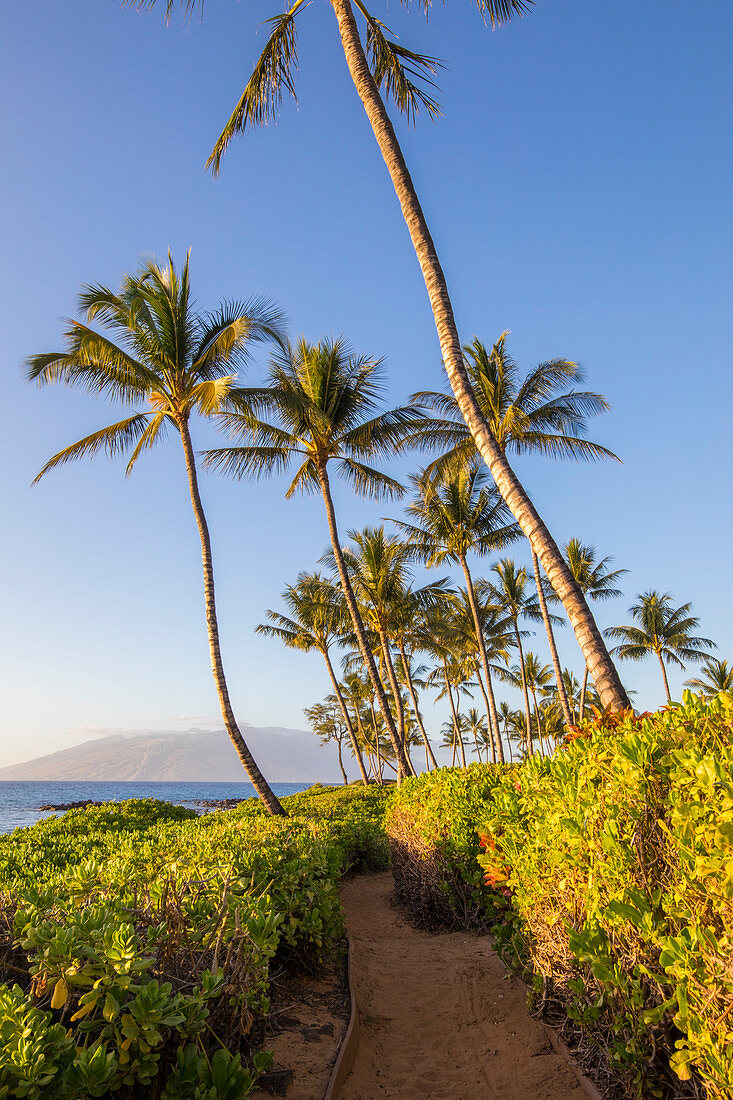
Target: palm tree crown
(663, 630)
(539, 413)
(715, 676)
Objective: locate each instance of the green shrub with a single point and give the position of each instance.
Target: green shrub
(609, 870)
(144, 936)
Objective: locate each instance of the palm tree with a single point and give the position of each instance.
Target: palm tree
(513, 594)
(715, 676)
(476, 726)
(397, 72)
(596, 581)
(458, 514)
(497, 638)
(154, 348)
(662, 630)
(540, 413)
(539, 678)
(313, 624)
(325, 399)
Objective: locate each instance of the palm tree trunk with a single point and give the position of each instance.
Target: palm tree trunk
(664, 674)
(489, 701)
(399, 706)
(527, 719)
(551, 640)
(404, 766)
(347, 717)
(376, 743)
(539, 726)
(249, 763)
(456, 727)
(341, 762)
(559, 574)
(418, 717)
(581, 708)
(508, 740)
(491, 709)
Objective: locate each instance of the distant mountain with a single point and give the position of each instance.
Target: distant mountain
(283, 756)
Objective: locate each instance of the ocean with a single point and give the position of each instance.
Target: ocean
(20, 801)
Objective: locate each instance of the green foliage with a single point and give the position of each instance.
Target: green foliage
(609, 873)
(144, 937)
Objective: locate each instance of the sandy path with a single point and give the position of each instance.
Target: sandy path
(439, 1016)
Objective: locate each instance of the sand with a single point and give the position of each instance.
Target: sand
(440, 1017)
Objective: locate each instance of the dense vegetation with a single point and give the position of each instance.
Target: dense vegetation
(136, 940)
(610, 885)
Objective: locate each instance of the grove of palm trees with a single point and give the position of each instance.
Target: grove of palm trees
(481, 573)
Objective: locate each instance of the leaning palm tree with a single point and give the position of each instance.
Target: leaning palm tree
(314, 623)
(457, 514)
(715, 676)
(597, 582)
(382, 68)
(153, 348)
(325, 400)
(662, 630)
(541, 413)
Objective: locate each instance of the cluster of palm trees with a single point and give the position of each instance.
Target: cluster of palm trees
(320, 414)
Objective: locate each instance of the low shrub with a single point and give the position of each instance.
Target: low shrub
(137, 942)
(608, 877)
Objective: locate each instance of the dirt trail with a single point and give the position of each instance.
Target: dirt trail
(439, 1016)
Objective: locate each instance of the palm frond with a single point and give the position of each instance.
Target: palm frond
(114, 440)
(241, 462)
(368, 482)
(261, 100)
(398, 72)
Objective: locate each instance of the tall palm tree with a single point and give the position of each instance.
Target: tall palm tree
(596, 581)
(512, 592)
(381, 65)
(715, 676)
(663, 630)
(313, 624)
(153, 348)
(458, 514)
(476, 726)
(325, 400)
(541, 413)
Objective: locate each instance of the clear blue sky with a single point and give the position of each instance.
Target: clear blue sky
(578, 186)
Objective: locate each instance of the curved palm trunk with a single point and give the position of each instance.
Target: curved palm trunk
(341, 762)
(551, 640)
(583, 690)
(418, 717)
(560, 576)
(491, 708)
(489, 701)
(347, 717)
(249, 763)
(377, 749)
(664, 674)
(527, 719)
(366, 653)
(399, 706)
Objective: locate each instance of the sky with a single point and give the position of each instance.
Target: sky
(578, 189)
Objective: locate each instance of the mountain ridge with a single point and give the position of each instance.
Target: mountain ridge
(283, 755)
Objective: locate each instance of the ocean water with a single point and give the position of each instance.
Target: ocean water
(20, 801)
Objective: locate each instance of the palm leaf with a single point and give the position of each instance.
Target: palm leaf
(261, 100)
(114, 440)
